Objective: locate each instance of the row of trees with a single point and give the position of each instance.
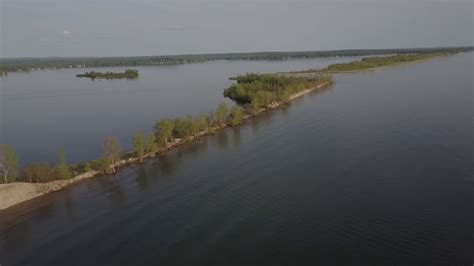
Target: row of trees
(252, 92)
(166, 131)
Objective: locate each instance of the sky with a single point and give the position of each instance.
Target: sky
(41, 28)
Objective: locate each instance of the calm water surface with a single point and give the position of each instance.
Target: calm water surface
(378, 169)
(43, 112)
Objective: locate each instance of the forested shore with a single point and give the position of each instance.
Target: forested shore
(31, 64)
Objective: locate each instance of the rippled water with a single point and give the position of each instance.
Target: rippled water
(378, 169)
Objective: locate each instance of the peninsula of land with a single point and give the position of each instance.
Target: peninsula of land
(253, 93)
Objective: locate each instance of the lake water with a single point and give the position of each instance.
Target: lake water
(376, 170)
(43, 112)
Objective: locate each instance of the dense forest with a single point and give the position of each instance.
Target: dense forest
(257, 91)
(29, 64)
(127, 74)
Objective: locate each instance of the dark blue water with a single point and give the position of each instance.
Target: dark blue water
(376, 170)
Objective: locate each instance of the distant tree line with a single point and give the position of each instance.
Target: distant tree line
(376, 62)
(28, 64)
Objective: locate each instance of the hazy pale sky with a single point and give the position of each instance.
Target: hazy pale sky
(146, 27)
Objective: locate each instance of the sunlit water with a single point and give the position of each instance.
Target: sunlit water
(378, 169)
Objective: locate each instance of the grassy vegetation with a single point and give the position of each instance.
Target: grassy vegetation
(127, 74)
(29, 64)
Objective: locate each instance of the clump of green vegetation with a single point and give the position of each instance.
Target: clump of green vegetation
(45, 172)
(255, 91)
(143, 144)
(376, 62)
(128, 74)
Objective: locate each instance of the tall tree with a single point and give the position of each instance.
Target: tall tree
(150, 143)
(8, 163)
(237, 115)
(63, 167)
(202, 123)
(112, 151)
(211, 121)
(221, 114)
(164, 129)
(139, 145)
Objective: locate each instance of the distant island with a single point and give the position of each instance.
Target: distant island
(127, 74)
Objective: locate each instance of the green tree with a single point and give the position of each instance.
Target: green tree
(191, 126)
(63, 167)
(139, 144)
(150, 143)
(179, 130)
(237, 115)
(255, 106)
(8, 163)
(39, 172)
(221, 114)
(201, 123)
(164, 130)
(112, 151)
(211, 121)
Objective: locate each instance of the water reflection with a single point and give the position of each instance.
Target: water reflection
(222, 139)
(236, 136)
(68, 202)
(166, 165)
(113, 190)
(192, 149)
(142, 177)
(16, 237)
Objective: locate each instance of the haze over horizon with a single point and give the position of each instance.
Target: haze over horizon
(78, 28)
